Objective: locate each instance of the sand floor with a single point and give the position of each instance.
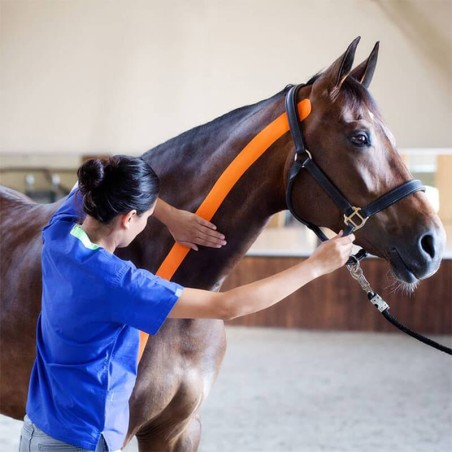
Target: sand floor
(307, 391)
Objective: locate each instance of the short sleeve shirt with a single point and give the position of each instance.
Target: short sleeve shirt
(93, 306)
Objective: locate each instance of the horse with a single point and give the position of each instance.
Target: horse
(349, 140)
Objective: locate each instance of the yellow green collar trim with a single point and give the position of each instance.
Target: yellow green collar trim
(78, 232)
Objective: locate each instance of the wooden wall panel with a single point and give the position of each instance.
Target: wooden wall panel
(442, 179)
(336, 301)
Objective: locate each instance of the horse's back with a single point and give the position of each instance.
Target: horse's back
(14, 205)
(8, 195)
(21, 222)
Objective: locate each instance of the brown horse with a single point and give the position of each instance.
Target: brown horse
(349, 141)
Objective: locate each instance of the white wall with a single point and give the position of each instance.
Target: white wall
(94, 76)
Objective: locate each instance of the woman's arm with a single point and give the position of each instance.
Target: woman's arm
(195, 303)
(188, 228)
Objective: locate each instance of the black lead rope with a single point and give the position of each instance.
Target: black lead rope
(412, 333)
(357, 273)
(354, 217)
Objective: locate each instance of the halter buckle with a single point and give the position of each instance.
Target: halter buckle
(355, 218)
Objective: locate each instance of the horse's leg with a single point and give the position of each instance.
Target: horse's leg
(184, 438)
(177, 427)
(175, 375)
(191, 436)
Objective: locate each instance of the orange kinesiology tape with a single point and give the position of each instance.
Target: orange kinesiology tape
(222, 187)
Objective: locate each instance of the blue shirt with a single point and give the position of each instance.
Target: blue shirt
(93, 306)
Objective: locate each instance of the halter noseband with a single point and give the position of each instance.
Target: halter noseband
(354, 217)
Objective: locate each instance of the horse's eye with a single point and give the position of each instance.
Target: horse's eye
(360, 139)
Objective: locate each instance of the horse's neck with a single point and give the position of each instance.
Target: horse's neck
(190, 164)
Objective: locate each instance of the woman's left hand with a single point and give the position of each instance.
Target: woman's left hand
(190, 230)
(187, 228)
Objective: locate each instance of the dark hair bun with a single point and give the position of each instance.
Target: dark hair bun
(117, 185)
(90, 175)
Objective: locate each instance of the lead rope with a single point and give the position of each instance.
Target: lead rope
(357, 273)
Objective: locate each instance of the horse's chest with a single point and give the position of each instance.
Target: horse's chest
(180, 366)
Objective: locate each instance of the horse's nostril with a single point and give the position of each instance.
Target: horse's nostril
(428, 245)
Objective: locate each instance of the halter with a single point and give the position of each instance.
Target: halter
(354, 217)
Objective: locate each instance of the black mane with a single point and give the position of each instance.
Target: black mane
(213, 126)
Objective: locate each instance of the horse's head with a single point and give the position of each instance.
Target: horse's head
(349, 141)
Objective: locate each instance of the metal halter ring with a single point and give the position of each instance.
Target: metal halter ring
(309, 157)
(350, 219)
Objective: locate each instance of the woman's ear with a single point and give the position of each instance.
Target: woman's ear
(127, 218)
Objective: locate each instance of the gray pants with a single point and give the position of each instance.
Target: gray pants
(32, 439)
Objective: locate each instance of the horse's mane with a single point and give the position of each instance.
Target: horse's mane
(352, 92)
(212, 126)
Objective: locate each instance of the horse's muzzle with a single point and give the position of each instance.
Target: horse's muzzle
(420, 260)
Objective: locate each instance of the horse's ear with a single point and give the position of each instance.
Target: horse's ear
(365, 71)
(339, 70)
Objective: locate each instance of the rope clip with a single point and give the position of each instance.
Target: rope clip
(357, 273)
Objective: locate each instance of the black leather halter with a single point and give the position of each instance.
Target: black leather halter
(354, 217)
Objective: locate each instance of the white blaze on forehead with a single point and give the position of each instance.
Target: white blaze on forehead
(385, 129)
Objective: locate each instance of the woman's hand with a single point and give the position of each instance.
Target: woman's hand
(332, 254)
(191, 230)
(258, 295)
(187, 228)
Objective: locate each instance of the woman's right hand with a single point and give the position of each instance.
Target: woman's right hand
(332, 254)
(261, 294)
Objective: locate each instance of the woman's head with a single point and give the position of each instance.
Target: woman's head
(117, 186)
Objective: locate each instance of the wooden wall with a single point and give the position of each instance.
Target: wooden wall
(336, 301)
(442, 182)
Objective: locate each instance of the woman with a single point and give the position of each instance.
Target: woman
(93, 305)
